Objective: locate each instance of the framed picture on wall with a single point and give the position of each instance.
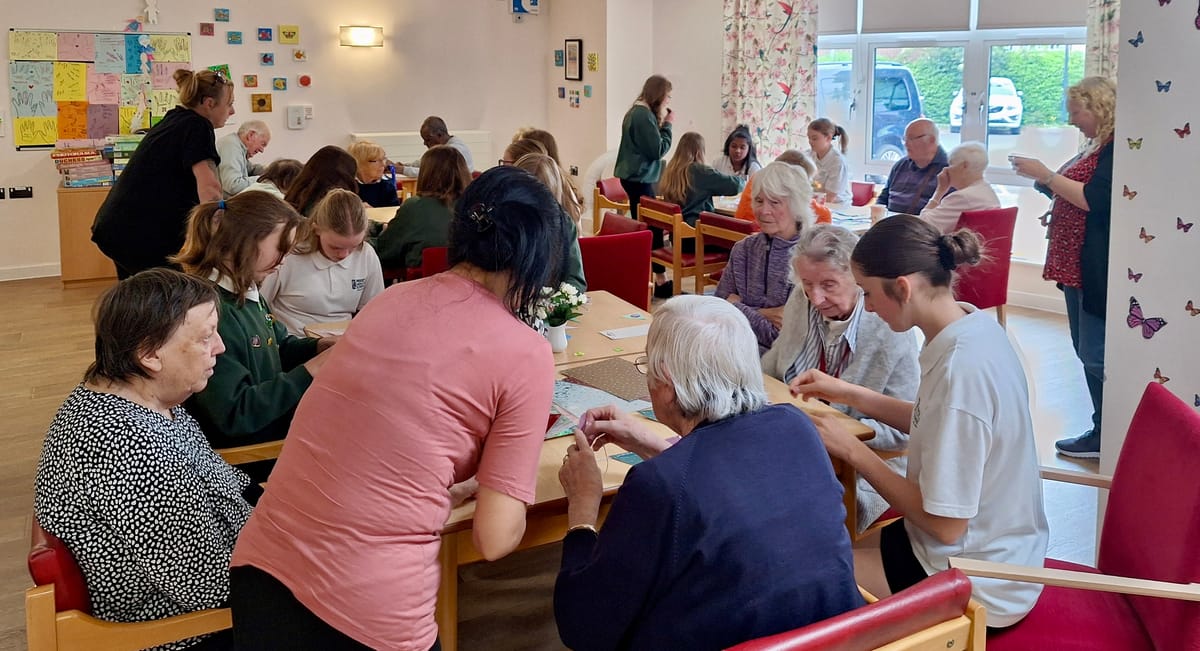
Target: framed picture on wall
(574, 59)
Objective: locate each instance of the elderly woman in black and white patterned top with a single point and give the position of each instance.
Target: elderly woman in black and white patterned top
(126, 478)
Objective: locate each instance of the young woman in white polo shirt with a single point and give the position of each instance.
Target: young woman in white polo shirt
(972, 487)
(330, 274)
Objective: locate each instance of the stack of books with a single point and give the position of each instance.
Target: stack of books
(82, 167)
(122, 149)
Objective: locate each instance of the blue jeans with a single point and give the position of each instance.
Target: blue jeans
(1087, 337)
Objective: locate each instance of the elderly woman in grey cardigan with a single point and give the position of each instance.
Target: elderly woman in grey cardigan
(825, 327)
(757, 278)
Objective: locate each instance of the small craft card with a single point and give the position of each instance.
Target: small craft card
(265, 34)
(289, 34)
(279, 83)
(222, 68)
(627, 333)
(593, 61)
(233, 38)
(587, 91)
(615, 375)
(266, 58)
(558, 58)
(207, 29)
(250, 81)
(299, 55)
(627, 457)
(260, 102)
(221, 15)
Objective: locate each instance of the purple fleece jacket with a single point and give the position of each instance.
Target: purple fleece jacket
(758, 273)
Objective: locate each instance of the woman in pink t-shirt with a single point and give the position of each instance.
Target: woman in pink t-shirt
(435, 382)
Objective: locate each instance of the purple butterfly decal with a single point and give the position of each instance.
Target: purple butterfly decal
(1197, 400)
(1185, 227)
(1132, 276)
(1149, 325)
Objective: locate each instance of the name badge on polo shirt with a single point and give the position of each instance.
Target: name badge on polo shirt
(357, 284)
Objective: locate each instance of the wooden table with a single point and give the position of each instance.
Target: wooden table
(406, 186)
(381, 215)
(602, 312)
(546, 519)
(856, 219)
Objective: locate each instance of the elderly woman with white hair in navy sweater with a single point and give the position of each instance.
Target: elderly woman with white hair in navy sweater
(734, 532)
(756, 278)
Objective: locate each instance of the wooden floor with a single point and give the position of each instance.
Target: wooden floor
(46, 342)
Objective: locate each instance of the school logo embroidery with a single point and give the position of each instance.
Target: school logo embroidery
(357, 284)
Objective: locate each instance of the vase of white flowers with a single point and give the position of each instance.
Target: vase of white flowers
(556, 308)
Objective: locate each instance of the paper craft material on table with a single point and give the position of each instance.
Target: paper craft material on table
(573, 400)
(615, 375)
(626, 333)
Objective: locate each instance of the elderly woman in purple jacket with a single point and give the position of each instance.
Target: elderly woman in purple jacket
(756, 278)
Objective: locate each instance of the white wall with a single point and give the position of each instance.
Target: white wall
(688, 49)
(580, 132)
(465, 61)
(630, 60)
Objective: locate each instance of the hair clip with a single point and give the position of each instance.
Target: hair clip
(482, 216)
(220, 204)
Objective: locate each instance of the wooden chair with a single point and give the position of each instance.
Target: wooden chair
(936, 613)
(58, 609)
(615, 223)
(250, 453)
(986, 284)
(608, 195)
(669, 217)
(861, 193)
(713, 229)
(1144, 592)
(619, 264)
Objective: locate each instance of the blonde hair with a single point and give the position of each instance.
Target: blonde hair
(548, 172)
(339, 211)
(195, 86)
(1099, 96)
(676, 181)
(798, 158)
(829, 129)
(523, 147)
(364, 151)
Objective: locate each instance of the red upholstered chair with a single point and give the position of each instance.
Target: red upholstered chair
(936, 613)
(619, 264)
(986, 284)
(608, 195)
(58, 609)
(713, 229)
(669, 217)
(617, 223)
(861, 193)
(1143, 592)
(434, 260)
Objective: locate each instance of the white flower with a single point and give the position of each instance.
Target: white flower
(541, 313)
(569, 290)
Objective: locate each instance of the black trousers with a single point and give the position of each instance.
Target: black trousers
(266, 616)
(636, 190)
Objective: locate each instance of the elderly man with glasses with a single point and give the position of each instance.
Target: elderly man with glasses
(913, 178)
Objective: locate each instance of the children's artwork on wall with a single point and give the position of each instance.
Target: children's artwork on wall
(299, 55)
(304, 80)
(279, 83)
(562, 92)
(593, 62)
(265, 34)
(221, 15)
(289, 34)
(207, 29)
(558, 58)
(587, 91)
(573, 69)
(266, 58)
(223, 69)
(233, 38)
(250, 81)
(260, 102)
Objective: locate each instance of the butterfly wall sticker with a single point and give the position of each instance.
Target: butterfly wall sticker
(1137, 278)
(1163, 86)
(1196, 400)
(1134, 144)
(1163, 3)
(1185, 131)
(1159, 377)
(1181, 226)
(1149, 325)
(1146, 237)
(1137, 40)
(1127, 193)
(1191, 308)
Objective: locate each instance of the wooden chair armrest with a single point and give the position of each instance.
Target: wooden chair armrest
(250, 453)
(79, 631)
(1079, 477)
(1074, 579)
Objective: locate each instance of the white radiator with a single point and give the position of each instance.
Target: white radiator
(407, 147)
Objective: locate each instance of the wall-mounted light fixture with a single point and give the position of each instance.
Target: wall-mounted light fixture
(360, 36)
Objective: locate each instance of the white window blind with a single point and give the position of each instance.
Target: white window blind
(885, 16)
(837, 17)
(999, 14)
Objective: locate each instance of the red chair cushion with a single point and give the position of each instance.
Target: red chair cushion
(1067, 619)
(434, 260)
(50, 562)
(660, 205)
(939, 598)
(619, 264)
(861, 193)
(611, 189)
(666, 255)
(986, 284)
(614, 223)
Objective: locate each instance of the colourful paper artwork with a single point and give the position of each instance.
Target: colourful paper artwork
(279, 83)
(73, 46)
(558, 58)
(289, 34)
(266, 58)
(299, 55)
(233, 38)
(260, 102)
(593, 61)
(102, 120)
(102, 87)
(70, 82)
(171, 47)
(163, 100)
(162, 75)
(222, 68)
(250, 81)
(135, 90)
(265, 33)
(207, 29)
(72, 120)
(221, 15)
(35, 131)
(31, 89)
(125, 115)
(304, 80)
(32, 46)
(587, 91)
(562, 92)
(133, 54)
(110, 53)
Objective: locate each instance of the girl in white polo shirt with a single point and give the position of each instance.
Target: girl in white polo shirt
(330, 274)
(972, 489)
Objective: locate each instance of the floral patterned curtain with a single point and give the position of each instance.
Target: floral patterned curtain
(1103, 38)
(769, 72)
